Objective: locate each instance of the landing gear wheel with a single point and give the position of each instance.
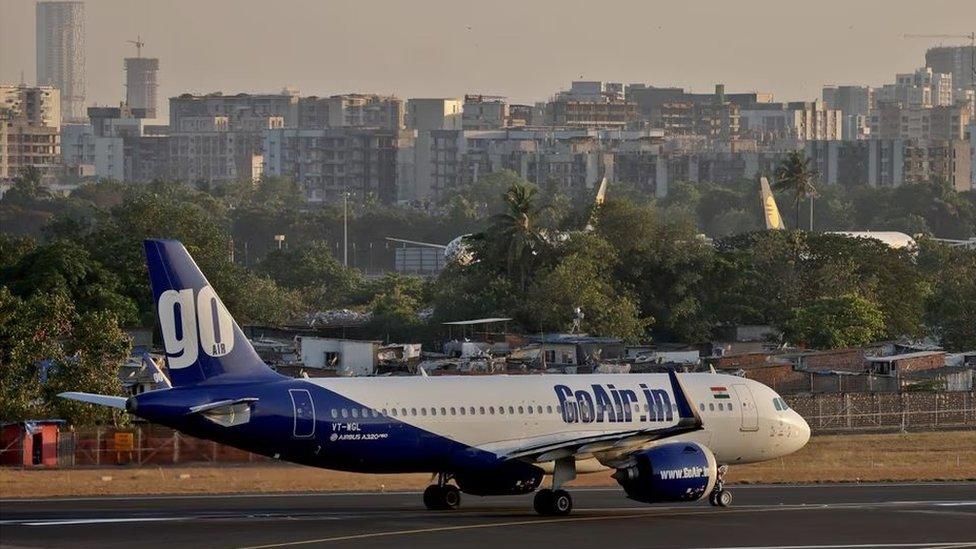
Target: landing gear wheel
(712, 499)
(450, 497)
(552, 502)
(442, 498)
(562, 503)
(543, 501)
(433, 496)
(724, 498)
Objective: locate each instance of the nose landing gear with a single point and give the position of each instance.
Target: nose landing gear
(720, 497)
(442, 496)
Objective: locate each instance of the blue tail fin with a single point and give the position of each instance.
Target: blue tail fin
(203, 342)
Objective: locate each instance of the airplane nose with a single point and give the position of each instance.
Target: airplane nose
(803, 431)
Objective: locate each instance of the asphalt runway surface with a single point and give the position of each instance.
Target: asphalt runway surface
(808, 516)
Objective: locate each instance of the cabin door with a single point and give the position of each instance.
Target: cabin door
(304, 413)
(747, 408)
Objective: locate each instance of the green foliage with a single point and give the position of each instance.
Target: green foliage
(951, 306)
(582, 278)
(80, 352)
(795, 175)
(835, 322)
(323, 282)
(395, 308)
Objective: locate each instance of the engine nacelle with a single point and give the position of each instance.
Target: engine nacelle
(677, 471)
(513, 478)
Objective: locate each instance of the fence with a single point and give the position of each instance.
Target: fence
(854, 412)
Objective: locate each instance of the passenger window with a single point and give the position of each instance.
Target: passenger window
(453, 411)
(538, 409)
(711, 407)
(549, 409)
(528, 409)
(365, 413)
(413, 411)
(481, 410)
(521, 410)
(501, 410)
(443, 411)
(403, 411)
(511, 409)
(433, 411)
(701, 406)
(383, 413)
(345, 413)
(491, 410)
(335, 413)
(462, 410)
(355, 412)
(394, 411)
(376, 413)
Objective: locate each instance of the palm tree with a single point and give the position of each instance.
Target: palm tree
(796, 175)
(517, 230)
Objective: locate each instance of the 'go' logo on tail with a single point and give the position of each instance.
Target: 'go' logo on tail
(216, 327)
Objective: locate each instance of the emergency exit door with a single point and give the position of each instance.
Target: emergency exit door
(747, 408)
(304, 413)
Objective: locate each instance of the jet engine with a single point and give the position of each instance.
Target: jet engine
(677, 471)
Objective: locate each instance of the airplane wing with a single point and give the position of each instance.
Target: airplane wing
(619, 442)
(417, 243)
(91, 398)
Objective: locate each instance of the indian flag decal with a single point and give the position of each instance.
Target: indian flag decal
(720, 392)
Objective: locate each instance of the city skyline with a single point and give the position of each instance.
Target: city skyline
(342, 47)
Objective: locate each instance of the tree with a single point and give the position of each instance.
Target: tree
(950, 309)
(28, 187)
(516, 235)
(835, 322)
(582, 278)
(46, 347)
(394, 308)
(67, 267)
(319, 278)
(796, 175)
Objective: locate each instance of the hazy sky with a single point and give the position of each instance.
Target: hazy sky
(523, 49)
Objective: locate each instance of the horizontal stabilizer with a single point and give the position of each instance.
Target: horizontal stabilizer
(91, 398)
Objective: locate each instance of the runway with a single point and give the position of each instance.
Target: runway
(809, 516)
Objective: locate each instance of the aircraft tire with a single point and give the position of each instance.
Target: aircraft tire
(450, 497)
(562, 503)
(543, 501)
(724, 498)
(433, 497)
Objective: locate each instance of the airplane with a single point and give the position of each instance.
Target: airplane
(669, 437)
(459, 251)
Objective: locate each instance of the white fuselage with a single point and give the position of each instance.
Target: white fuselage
(743, 420)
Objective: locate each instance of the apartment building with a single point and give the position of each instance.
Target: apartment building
(332, 161)
(351, 111)
(796, 121)
(35, 105)
(141, 86)
(485, 112)
(30, 126)
(892, 162)
(958, 61)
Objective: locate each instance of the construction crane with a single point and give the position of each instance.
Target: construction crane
(138, 43)
(972, 44)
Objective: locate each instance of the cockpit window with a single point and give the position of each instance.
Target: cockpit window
(776, 403)
(780, 404)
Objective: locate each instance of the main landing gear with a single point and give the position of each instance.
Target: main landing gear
(720, 497)
(552, 502)
(555, 501)
(442, 496)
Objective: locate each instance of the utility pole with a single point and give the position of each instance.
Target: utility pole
(345, 229)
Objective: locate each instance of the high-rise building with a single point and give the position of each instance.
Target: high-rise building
(60, 42)
(140, 85)
(34, 105)
(960, 61)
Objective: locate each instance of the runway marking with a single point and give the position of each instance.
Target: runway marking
(392, 533)
(414, 492)
(67, 522)
(930, 545)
